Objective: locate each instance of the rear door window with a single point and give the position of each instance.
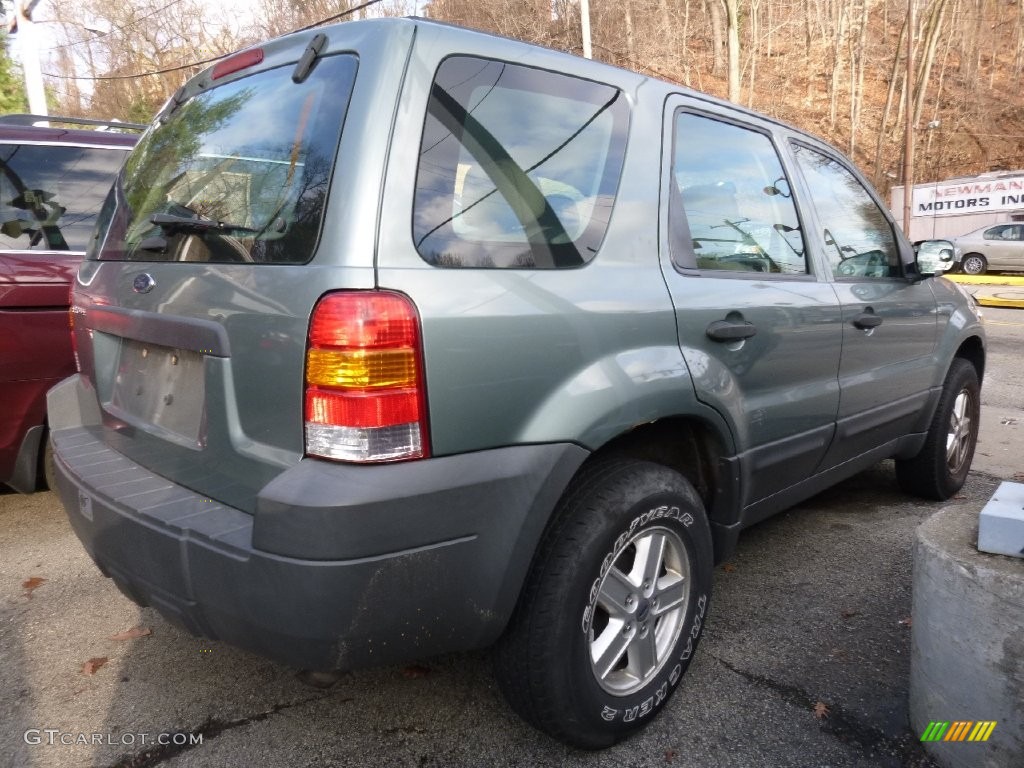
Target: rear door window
(730, 192)
(50, 195)
(518, 166)
(238, 173)
(997, 233)
(1005, 232)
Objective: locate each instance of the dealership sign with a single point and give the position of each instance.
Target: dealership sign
(973, 196)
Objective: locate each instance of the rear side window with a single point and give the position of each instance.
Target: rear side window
(518, 167)
(50, 195)
(238, 173)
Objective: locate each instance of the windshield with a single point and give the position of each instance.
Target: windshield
(237, 173)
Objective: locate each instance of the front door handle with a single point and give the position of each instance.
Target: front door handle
(730, 330)
(867, 320)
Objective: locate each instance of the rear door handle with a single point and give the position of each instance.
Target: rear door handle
(867, 320)
(730, 330)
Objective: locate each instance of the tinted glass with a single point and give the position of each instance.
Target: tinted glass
(736, 198)
(50, 195)
(857, 237)
(253, 157)
(1004, 232)
(518, 167)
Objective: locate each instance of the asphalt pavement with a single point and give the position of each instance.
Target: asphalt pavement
(804, 662)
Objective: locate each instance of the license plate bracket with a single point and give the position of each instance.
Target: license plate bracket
(162, 390)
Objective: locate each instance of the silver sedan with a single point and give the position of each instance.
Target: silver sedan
(999, 247)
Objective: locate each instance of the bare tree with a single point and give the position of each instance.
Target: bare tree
(714, 8)
(732, 11)
(835, 66)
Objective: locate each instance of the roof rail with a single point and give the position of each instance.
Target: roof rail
(19, 119)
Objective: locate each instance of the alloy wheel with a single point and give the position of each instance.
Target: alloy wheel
(961, 430)
(639, 610)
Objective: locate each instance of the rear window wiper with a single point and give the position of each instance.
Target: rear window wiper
(170, 224)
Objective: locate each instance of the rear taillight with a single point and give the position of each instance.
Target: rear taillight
(365, 398)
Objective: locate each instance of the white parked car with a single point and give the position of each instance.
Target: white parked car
(999, 247)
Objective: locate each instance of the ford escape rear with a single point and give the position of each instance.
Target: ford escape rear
(399, 339)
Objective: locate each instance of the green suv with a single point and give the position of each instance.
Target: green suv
(399, 339)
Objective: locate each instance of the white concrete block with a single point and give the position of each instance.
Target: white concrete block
(1001, 525)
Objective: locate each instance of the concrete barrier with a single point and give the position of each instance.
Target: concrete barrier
(993, 290)
(967, 644)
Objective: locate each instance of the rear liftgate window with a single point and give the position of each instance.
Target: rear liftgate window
(518, 167)
(238, 173)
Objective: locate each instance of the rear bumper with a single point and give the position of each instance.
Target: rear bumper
(408, 561)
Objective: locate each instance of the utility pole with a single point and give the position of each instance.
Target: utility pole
(28, 44)
(908, 133)
(585, 25)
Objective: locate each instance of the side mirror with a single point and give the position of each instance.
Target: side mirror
(933, 257)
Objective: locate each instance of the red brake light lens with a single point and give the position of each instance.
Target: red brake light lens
(237, 63)
(365, 398)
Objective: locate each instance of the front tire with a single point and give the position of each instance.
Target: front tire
(941, 468)
(974, 264)
(613, 607)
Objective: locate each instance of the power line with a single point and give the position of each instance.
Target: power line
(137, 75)
(189, 65)
(336, 16)
(101, 35)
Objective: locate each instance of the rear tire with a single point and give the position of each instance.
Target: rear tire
(49, 474)
(941, 468)
(974, 264)
(613, 606)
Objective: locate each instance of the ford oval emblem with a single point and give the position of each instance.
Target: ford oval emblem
(143, 283)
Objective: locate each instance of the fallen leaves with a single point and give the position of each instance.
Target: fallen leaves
(849, 613)
(821, 710)
(670, 755)
(907, 622)
(32, 584)
(133, 633)
(96, 662)
(93, 664)
(729, 568)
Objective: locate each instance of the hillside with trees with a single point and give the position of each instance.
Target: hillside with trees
(834, 67)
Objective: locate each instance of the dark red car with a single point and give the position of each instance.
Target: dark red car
(53, 180)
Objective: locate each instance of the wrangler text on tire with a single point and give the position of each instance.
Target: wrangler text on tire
(613, 607)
